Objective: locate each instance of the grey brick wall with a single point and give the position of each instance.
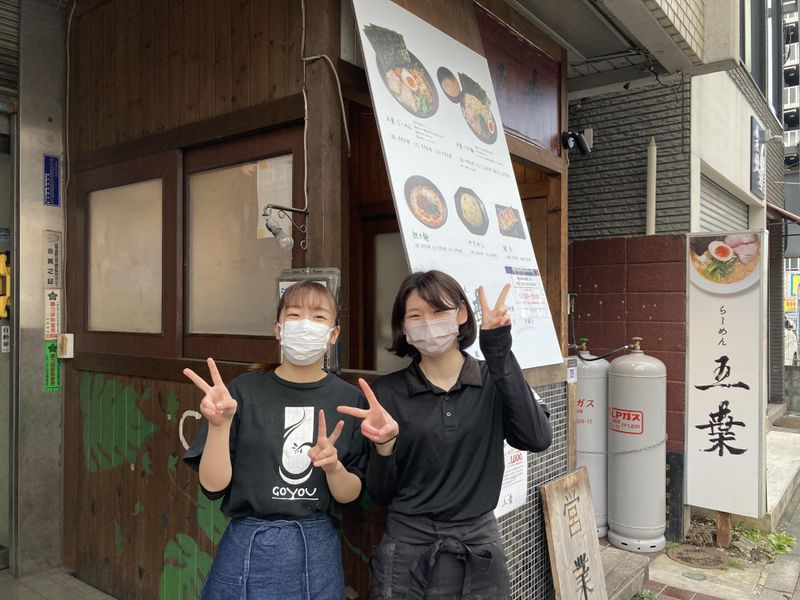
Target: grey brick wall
(607, 190)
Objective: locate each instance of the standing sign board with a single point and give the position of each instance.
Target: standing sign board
(726, 372)
(451, 176)
(572, 538)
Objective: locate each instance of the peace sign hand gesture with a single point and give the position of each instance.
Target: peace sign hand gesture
(324, 453)
(217, 406)
(496, 317)
(377, 425)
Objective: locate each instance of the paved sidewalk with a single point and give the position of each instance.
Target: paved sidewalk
(782, 578)
(56, 584)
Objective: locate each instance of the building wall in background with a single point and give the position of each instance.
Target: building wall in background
(607, 190)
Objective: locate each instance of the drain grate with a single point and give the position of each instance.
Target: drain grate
(698, 556)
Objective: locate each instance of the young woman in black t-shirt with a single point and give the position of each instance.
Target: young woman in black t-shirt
(280, 485)
(441, 477)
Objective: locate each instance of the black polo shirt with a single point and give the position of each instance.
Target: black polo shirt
(448, 461)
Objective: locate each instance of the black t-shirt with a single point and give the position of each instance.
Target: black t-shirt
(274, 427)
(448, 460)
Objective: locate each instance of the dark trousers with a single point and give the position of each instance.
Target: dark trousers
(419, 558)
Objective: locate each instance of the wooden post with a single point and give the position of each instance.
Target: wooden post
(723, 529)
(325, 137)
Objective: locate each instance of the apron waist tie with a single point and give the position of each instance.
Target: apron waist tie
(248, 553)
(422, 568)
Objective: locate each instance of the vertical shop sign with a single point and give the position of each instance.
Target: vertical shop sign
(572, 538)
(52, 178)
(758, 159)
(726, 372)
(52, 314)
(52, 259)
(52, 367)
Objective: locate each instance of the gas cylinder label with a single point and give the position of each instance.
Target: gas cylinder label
(626, 421)
(584, 411)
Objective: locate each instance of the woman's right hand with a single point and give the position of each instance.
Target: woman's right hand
(217, 406)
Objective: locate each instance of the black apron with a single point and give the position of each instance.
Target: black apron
(419, 558)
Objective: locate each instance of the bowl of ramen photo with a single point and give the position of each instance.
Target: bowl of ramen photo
(475, 107)
(471, 211)
(725, 264)
(509, 221)
(407, 80)
(425, 201)
(449, 84)
(479, 118)
(411, 86)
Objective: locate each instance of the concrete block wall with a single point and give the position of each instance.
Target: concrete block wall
(636, 286)
(685, 23)
(608, 189)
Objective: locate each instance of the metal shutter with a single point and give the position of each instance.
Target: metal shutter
(720, 210)
(9, 47)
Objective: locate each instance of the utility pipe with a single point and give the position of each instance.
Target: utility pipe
(652, 152)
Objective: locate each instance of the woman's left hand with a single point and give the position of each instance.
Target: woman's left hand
(324, 453)
(498, 316)
(377, 425)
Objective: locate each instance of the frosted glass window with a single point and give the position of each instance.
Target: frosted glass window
(125, 240)
(233, 269)
(391, 269)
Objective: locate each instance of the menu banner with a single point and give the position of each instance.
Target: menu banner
(451, 175)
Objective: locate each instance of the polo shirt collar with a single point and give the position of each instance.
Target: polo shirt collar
(417, 382)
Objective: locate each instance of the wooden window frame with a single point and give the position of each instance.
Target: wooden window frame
(164, 166)
(262, 146)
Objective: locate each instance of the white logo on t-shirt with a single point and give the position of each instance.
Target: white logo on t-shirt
(298, 439)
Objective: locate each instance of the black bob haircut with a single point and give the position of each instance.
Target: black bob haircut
(442, 292)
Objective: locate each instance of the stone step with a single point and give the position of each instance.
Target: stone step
(625, 572)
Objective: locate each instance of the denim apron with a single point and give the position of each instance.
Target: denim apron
(277, 560)
(419, 558)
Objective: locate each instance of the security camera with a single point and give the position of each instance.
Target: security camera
(583, 145)
(576, 139)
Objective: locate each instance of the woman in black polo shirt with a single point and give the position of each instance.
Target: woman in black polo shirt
(441, 477)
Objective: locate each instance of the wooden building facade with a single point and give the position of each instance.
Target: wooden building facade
(162, 94)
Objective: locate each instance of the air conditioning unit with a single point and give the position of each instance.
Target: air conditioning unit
(791, 118)
(791, 75)
(790, 33)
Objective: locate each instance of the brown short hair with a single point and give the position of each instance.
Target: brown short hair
(442, 292)
(292, 294)
(315, 289)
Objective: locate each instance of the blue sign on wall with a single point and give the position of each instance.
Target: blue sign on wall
(52, 175)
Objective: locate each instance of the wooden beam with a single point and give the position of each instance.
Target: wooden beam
(543, 160)
(524, 27)
(326, 147)
(255, 119)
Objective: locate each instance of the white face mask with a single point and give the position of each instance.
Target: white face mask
(435, 337)
(303, 341)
